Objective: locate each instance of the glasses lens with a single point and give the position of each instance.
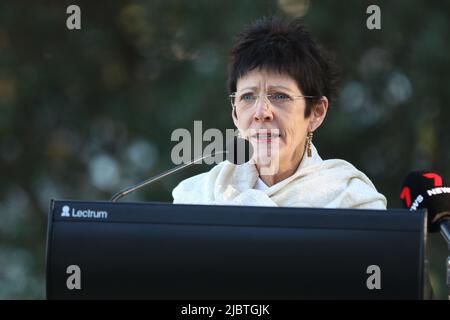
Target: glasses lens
(245, 100)
(280, 99)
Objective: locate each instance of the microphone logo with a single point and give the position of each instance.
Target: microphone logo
(428, 190)
(405, 195)
(437, 179)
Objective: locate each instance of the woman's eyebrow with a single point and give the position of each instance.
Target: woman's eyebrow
(248, 88)
(269, 87)
(280, 87)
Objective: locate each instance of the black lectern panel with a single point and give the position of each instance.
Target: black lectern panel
(166, 251)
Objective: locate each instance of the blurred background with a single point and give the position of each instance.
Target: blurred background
(87, 112)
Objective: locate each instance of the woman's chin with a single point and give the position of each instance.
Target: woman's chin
(267, 159)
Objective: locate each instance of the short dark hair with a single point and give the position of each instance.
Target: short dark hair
(285, 46)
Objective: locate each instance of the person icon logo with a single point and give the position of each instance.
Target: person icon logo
(65, 211)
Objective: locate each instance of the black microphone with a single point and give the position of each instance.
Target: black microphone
(426, 189)
(237, 151)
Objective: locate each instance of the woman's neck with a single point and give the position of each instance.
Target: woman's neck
(283, 172)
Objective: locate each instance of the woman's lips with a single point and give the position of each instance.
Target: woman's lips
(265, 137)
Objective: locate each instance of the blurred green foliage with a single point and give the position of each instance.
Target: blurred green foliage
(84, 113)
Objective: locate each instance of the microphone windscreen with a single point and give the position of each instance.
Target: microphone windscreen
(425, 189)
(239, 151)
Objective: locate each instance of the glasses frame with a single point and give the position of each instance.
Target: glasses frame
(234, 94)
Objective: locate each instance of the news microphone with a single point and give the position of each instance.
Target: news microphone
(425, 189)
(237, 151)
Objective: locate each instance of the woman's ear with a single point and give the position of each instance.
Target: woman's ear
(318, 113)
(234, 116)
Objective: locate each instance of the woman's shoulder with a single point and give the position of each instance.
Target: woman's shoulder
(359, 188)
(343, 167)
(334, 166)
(198, 186)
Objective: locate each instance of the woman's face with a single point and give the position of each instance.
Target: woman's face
(264, 116)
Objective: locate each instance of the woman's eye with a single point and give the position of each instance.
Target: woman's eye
(280, 96)
(247, 97)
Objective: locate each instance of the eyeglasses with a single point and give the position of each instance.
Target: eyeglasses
(247, 100)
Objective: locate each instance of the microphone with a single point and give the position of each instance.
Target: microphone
(425, 189)
(237, 151)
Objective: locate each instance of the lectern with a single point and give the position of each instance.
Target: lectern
(105, 250)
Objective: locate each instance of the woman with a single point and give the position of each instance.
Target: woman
(280, 84)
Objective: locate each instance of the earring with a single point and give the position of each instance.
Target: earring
(308, 144)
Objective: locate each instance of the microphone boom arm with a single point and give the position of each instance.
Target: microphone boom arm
(129, 190)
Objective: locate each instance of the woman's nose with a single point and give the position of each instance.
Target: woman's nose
(263, 110)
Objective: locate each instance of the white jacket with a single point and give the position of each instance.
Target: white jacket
(316, 183)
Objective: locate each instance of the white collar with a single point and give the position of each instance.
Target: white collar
(261, 185)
